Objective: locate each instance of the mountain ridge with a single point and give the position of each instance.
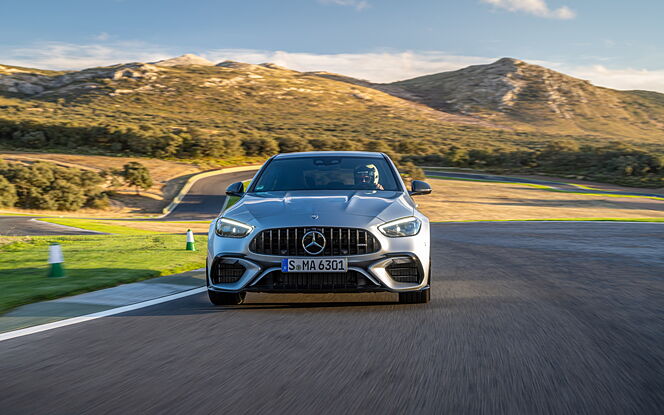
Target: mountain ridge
(509, 95)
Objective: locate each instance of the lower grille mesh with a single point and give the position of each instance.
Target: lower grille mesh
(314, 281)
(227, 273)
(404, 270)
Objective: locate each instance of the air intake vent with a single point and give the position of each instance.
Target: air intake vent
(226, 272)
(404, 270)
(338, 242)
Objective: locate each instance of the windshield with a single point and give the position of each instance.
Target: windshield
(327, 173)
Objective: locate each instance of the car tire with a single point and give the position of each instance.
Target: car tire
(217, 298)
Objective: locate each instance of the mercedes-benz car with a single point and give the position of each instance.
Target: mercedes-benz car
(321, 222)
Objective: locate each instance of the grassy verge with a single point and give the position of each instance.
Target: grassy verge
(98, 226)
(92, 262)
(124, 227)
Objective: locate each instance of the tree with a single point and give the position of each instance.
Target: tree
(137, 175)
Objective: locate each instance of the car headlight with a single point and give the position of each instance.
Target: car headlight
(401, 227)
(231, 228)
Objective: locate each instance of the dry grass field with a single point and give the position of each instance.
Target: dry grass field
(457, 200)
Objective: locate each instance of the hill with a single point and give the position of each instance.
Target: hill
(188, 108)
(529, 97)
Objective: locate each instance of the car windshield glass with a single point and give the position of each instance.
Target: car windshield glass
(327, 173)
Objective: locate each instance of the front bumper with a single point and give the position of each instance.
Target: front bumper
(370, 271)
(373, 274)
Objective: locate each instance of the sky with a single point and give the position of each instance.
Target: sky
(613, 43)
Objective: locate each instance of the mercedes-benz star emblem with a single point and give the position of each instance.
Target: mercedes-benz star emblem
(313, 242)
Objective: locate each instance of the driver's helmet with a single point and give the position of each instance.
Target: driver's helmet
(366, 176)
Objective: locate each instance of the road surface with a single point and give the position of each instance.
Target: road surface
(206, 197)
(525, 318)
(27, 226)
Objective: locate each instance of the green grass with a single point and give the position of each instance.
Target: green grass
(97, 226)
(92, 262)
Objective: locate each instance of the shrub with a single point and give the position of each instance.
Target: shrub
(48, 186)
(261, 146)
(8, 196)
(137, 175)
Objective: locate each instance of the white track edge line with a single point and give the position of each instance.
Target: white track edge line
(81, 319)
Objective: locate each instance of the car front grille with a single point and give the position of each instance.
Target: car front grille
(339, 241)
(226, 272)
(314, 282)
(404, 270)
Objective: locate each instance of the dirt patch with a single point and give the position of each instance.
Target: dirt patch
(465, 200)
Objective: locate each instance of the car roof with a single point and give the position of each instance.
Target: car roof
(330, 153)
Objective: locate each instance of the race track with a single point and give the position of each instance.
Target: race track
(525, 318)
(206, 197)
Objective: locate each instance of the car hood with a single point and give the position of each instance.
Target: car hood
(321, 208)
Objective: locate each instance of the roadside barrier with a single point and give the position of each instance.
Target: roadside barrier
(190, 241)
(55, 259)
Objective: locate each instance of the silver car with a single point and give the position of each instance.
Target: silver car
(321, 222)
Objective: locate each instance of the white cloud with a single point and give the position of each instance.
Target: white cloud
(358, 5)
(386, 66)
(534, 7)
(102, 36)
(620, 78)
(61, 55)
(376, 66)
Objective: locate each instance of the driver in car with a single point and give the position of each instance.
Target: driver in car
(367, 177)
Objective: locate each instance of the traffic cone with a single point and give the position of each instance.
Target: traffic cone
(55, 260)
(190, 241)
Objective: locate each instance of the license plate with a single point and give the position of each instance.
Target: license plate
(314, 265)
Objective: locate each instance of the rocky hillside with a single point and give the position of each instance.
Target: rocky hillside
(508, 104)
(508, 115)
(530, 97)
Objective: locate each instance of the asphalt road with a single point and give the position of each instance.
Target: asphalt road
(525, 318)
(206, 197)
(25, 226)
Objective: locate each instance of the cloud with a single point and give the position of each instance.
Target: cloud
(65, 56)
(620, 78)
(358, 5)
(534, 7)
(381, 66)
(376, 66)
(102, 36)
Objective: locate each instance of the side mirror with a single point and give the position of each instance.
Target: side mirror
(236, 189)
(420, 188)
